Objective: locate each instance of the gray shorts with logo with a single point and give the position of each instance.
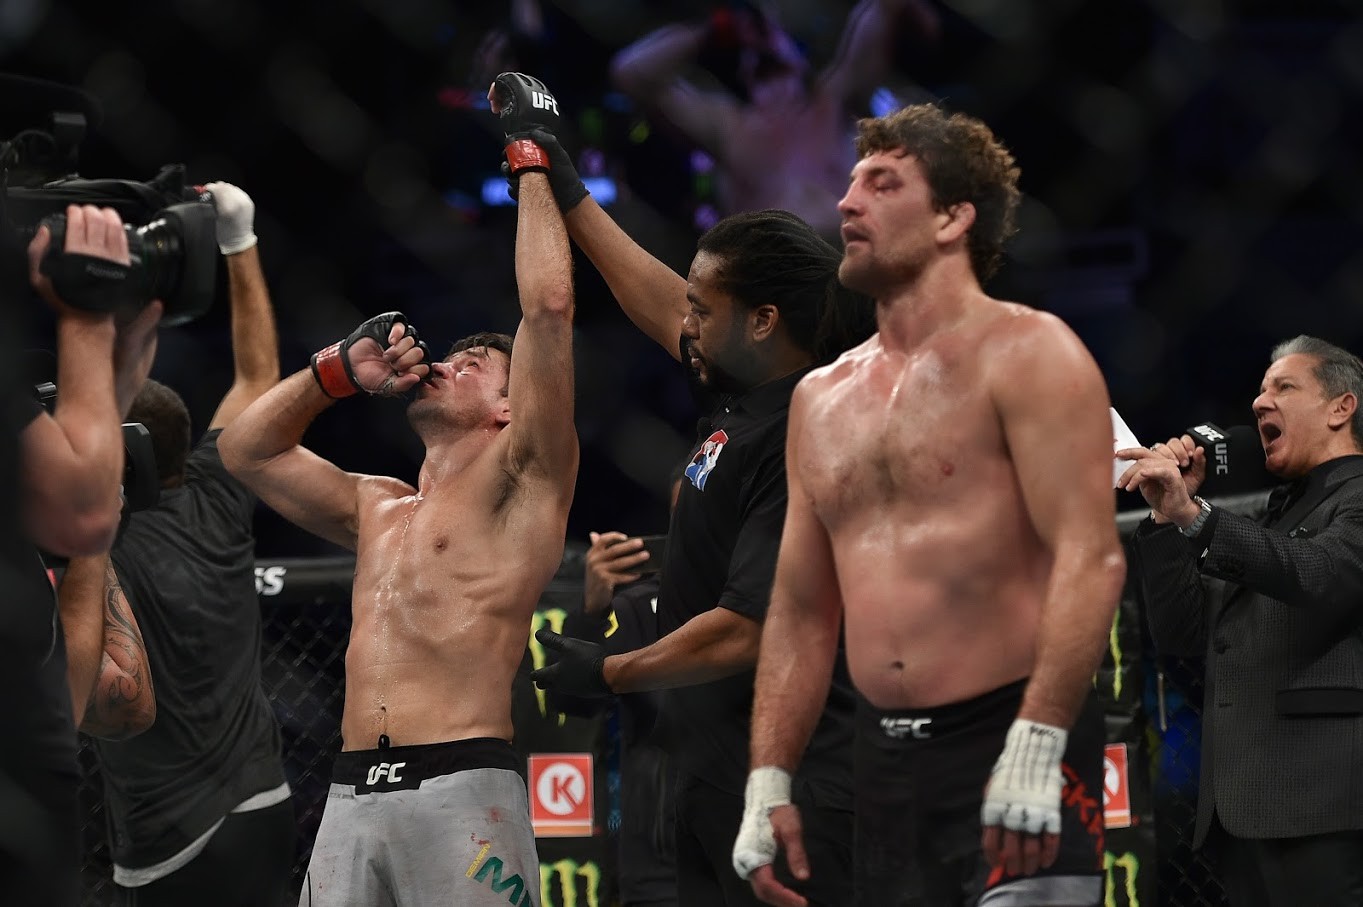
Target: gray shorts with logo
(444, 823)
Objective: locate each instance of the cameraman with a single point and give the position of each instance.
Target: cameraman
(65, 474)
(224, 833)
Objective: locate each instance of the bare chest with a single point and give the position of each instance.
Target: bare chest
(897, 432)
(815, 143)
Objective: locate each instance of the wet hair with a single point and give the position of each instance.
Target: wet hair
(166, 417)
(1338, 371)
(963, 162)
(489, 340)
(774, 258)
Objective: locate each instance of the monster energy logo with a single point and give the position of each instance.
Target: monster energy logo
(1126, 865)
(1114, 643)
(553, 619)
(559, 881)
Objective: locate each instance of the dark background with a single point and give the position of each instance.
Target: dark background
(1192, 173)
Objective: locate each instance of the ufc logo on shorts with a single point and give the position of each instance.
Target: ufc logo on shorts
(544, 101)
(378, 772)
(899, 728)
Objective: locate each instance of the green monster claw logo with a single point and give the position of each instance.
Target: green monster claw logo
(1129, 865)
(1114, 644)
(561, 878)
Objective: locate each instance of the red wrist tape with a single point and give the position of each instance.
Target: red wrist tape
(328, 367)
(526, 154)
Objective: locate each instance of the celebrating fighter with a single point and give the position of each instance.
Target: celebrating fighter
(975, 573)
(427, 796)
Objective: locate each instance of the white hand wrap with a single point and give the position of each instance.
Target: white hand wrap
(236, 218)
(1024, 789)
(768, 787)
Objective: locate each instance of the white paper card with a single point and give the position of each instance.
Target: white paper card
(1122, 437)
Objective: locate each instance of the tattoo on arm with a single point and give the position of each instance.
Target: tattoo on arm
(123, 697)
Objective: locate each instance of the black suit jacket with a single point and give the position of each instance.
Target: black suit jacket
(1278, 613)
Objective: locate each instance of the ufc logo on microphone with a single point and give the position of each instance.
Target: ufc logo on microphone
(544, 101)
(1211, 434)
(377, 772)
(1222, 459)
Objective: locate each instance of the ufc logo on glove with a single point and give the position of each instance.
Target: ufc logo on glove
(544, 101)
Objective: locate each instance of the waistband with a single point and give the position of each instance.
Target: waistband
(405, 767)
(988, 710)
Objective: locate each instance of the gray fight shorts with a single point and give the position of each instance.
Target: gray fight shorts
(443, 823)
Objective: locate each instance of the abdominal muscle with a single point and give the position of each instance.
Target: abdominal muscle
(935, 613)
(441, 619)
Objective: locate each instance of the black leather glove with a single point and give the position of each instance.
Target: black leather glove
(523, 103)
(578, 669)
(564, 182)
(352, 365)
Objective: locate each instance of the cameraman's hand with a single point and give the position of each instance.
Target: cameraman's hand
(90, 231)
(236, 218)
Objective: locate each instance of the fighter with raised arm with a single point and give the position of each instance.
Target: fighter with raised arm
(975, 576)
(428, 798)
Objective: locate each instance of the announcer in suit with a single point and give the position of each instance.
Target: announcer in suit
(1281, 625)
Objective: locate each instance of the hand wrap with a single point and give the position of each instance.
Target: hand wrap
(1025, 786)
(236, 218)
(768, 787)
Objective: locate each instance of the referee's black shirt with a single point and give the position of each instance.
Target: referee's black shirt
(721, 552)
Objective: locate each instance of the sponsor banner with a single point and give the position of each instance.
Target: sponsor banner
(561, 794)
(1116, 787)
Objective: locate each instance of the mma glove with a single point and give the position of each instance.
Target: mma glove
(564, 182)
(236, 218)
(524, 103)
(357, 363)
(1025, 786)
(768, 787)
(578, 669)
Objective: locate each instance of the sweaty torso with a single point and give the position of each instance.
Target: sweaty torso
(796, 159)
(941, 571)
(445, 586)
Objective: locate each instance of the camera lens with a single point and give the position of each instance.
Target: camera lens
(157, 247)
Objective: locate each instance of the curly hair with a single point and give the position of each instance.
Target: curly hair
(963, 161)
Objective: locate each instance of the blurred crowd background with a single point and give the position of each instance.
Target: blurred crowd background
(1193, 174)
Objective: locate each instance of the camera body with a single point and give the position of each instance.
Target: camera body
(171, 225)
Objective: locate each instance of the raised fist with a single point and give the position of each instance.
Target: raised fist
(236, 218)
(524, 104)
(382, 357)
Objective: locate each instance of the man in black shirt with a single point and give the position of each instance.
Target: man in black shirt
(222, 833)
(760, 307)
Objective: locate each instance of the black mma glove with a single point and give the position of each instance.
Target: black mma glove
(564, 182)
(357, 363)
(578, 669)
(524, 103)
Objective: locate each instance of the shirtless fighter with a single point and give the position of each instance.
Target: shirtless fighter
(951, 501)
(428, 804)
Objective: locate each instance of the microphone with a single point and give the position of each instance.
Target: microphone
(1235, 459)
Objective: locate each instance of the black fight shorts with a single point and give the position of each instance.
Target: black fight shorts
(920, 778)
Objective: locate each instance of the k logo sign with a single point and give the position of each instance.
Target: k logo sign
(561, 794)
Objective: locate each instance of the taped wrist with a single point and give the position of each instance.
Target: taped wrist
(526, 154)
(331, 370)
(768, 787)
